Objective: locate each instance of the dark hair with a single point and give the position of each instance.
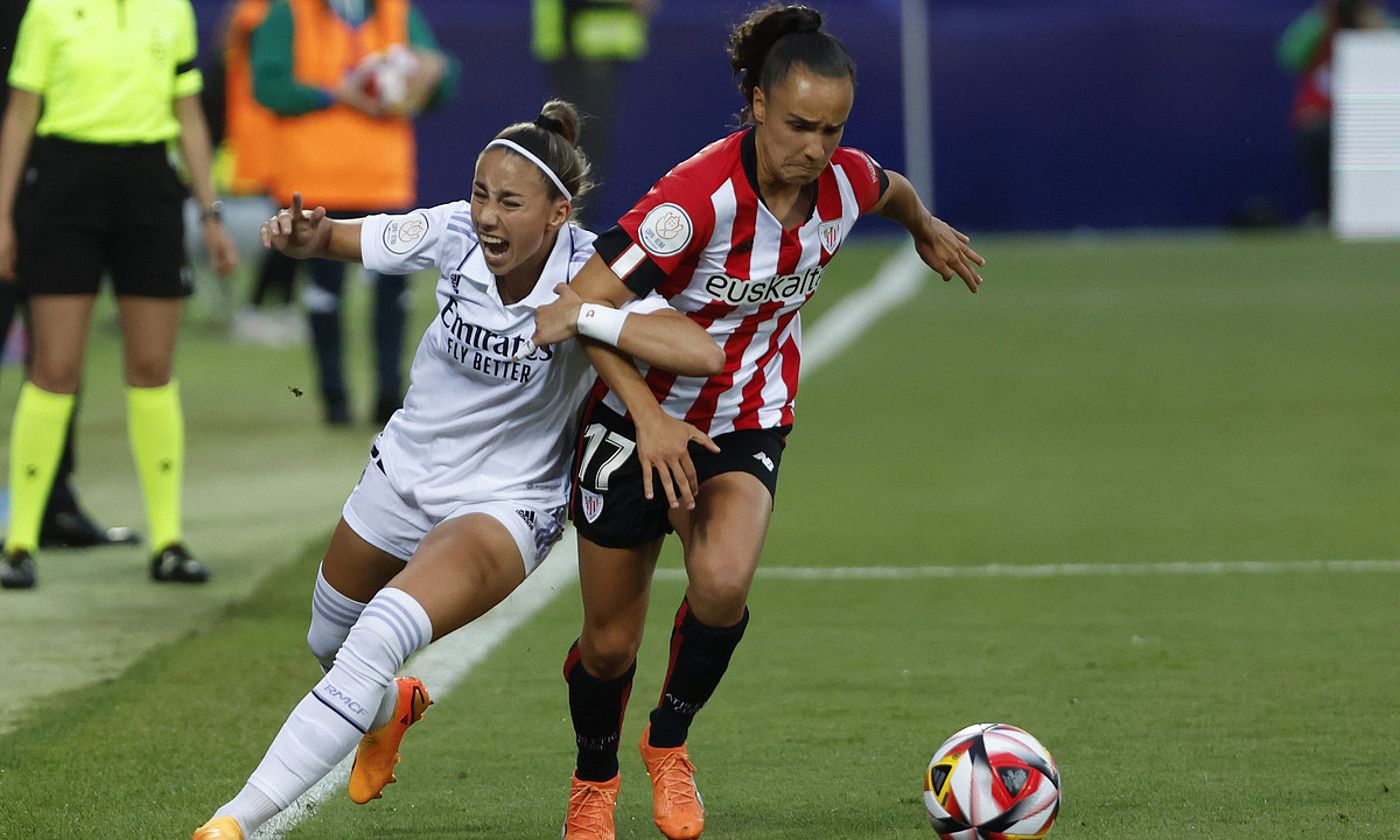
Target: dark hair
(766, 44)
(1347, 13)
(553, 138)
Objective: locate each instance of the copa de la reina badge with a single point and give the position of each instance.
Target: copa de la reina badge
(403, 235)
(665, 231)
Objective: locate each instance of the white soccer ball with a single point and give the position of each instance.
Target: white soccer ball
(384, 76)
(992, 781)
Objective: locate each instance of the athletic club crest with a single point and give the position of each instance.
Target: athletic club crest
(592, 504)
(830, 235)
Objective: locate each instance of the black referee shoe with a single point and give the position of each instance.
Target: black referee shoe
(75, 529)
(174, 564)
(17, 572)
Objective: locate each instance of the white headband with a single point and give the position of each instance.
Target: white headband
(530, 156)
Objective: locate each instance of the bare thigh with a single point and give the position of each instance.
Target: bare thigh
(464, 567)
(58, 331)
(616, 587)
(356, 569)
(723, 539)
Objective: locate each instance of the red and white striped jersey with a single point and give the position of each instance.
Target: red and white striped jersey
(704, 239)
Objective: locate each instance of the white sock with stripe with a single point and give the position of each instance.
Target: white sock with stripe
(329, 721)
(332, 616)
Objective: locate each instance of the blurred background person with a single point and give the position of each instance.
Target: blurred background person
(347, 77)
(585, 44)
(244, 134)
(97, 96)
(1306, 51)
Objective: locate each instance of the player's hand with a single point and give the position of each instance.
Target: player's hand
(557, 320)
(946, 251)
(663, 445)
(423, 81)
(223, 254)
(8, 252)
(297, 232)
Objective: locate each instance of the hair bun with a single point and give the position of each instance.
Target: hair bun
(550, 124)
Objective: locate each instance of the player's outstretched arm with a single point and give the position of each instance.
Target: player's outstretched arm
(942, 248)
(300, 233)
(662, 441)
(660, 337)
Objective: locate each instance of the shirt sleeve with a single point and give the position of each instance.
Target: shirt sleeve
(868, 178)
(274, 85)
(666, 229)
(34, 48)
(404, 244)
(188, 80)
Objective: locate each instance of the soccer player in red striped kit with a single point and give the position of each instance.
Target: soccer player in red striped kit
(736, 238)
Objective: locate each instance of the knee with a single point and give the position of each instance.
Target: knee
(323, 646)
(148, 372)
(608, 652)
(56, 379)
(719, 601)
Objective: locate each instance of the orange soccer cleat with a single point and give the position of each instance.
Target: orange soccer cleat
(590, 814)
(378, 751)
(223, 828)
(675, 801)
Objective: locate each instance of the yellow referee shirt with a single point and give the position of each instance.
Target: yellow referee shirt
(108, 70)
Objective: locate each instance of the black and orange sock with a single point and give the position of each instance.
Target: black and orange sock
(597, 707)
(699, 657)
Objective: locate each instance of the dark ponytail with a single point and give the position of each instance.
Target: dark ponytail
(553, 138)
(765, 45)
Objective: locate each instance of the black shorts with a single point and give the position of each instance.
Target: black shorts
(88, 208)
(608, 506)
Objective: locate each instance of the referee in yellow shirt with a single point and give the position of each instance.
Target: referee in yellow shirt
(98, 90)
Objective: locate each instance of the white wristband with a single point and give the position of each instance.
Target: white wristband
(601, 322)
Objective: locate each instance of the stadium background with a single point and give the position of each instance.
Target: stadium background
(1047, 116)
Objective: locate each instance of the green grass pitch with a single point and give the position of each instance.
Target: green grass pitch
(1135, 400)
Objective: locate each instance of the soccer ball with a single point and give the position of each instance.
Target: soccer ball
(383, 77)
(992, 781)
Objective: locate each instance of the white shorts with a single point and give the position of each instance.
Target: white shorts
(390, 523)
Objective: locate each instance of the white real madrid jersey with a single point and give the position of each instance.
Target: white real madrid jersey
(477, 425)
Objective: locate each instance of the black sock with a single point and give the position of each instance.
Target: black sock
(596, 707)
(699, 656)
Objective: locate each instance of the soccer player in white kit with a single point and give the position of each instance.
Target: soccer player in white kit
(467, 485)
(737, 237)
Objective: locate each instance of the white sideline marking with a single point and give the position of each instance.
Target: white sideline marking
(897, 281)
(445, 662)
(1249, 567)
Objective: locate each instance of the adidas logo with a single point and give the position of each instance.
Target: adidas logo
(762, 458)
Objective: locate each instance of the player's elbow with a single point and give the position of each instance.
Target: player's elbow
(700, 358)
(709, 359)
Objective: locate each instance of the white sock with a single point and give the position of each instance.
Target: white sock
(327, 723)
(332, 616)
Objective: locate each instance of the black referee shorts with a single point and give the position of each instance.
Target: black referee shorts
(87, 208)
(608, 506)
